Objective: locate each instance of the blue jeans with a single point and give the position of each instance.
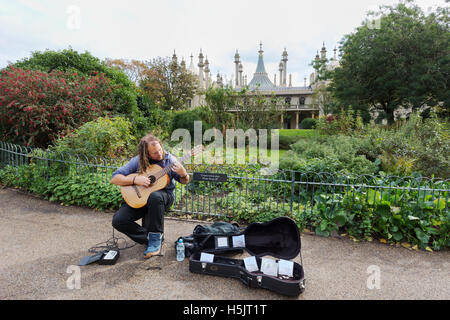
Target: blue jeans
(152, 216)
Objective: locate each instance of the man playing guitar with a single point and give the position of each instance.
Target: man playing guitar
(151, 232)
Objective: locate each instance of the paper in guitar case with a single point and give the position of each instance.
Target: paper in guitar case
(236, 268)
(279, 238)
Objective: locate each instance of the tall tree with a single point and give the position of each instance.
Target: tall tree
(322, 98)
(256, 110)
(220, 101)
(168, 83)
(401, 60)
(136, 70)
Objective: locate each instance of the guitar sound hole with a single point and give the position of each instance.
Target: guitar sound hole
(152, 179)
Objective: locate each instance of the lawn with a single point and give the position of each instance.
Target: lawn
(286, 137)
(304, 133)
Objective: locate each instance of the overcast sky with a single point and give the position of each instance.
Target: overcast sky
(145, 29)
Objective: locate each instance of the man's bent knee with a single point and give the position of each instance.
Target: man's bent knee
(116, 222)
(156, 197)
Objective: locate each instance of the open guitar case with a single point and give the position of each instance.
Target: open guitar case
(278, 238)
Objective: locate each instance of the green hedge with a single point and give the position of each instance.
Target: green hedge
(308, 123)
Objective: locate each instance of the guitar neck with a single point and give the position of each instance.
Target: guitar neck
(166, 170)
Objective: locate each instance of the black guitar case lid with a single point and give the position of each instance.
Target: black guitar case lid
(279, 238)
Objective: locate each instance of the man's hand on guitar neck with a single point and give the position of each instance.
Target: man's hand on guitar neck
(181, 171)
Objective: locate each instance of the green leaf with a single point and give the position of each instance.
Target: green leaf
(322, 233)
(383, 209)
(373, 197)
(423, 238)
(439, 203)
(397, 236)
(323, 225)
(340, 218)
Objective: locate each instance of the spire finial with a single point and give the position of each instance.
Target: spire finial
(284, 54)
(174, 57)
(260, 48)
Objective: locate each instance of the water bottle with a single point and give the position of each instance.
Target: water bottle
(180, 250)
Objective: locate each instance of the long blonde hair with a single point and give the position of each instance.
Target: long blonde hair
(144, 156)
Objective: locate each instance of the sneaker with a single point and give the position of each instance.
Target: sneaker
(154, 244)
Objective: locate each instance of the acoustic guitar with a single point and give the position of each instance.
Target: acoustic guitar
(136, 196)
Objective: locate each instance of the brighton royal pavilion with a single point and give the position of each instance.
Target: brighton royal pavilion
(296, 100)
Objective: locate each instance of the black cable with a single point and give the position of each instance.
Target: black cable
(110, 244)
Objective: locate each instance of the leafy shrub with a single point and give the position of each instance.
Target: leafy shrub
(420, 145)
(401, 166)
(287, 137)
(72, 189)
(37, 107)
(185, 119)
(29, 177)
(308, 123)
(158, 121)
(69, 61)
(84, 191)
(343, 123)
(285, 142)
(328, 154)
(424, 223)
(103, 137)
(415, 145)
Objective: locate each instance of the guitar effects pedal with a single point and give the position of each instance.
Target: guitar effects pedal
(110, 257)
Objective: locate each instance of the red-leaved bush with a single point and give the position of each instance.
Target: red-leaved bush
(36, 107)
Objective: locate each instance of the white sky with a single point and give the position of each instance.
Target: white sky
(145, 29)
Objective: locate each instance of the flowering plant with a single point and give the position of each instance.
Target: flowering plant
(36, 108)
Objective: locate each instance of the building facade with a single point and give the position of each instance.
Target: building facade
(296, 103)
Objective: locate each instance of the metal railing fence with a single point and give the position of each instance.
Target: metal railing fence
(247, 192)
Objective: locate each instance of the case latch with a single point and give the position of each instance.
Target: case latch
(203, 266)
(302, 285)
(259, 279)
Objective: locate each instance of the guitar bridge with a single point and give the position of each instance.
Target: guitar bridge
(137, 191)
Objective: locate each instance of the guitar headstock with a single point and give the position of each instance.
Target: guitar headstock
(192, 153)
(197, 150)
